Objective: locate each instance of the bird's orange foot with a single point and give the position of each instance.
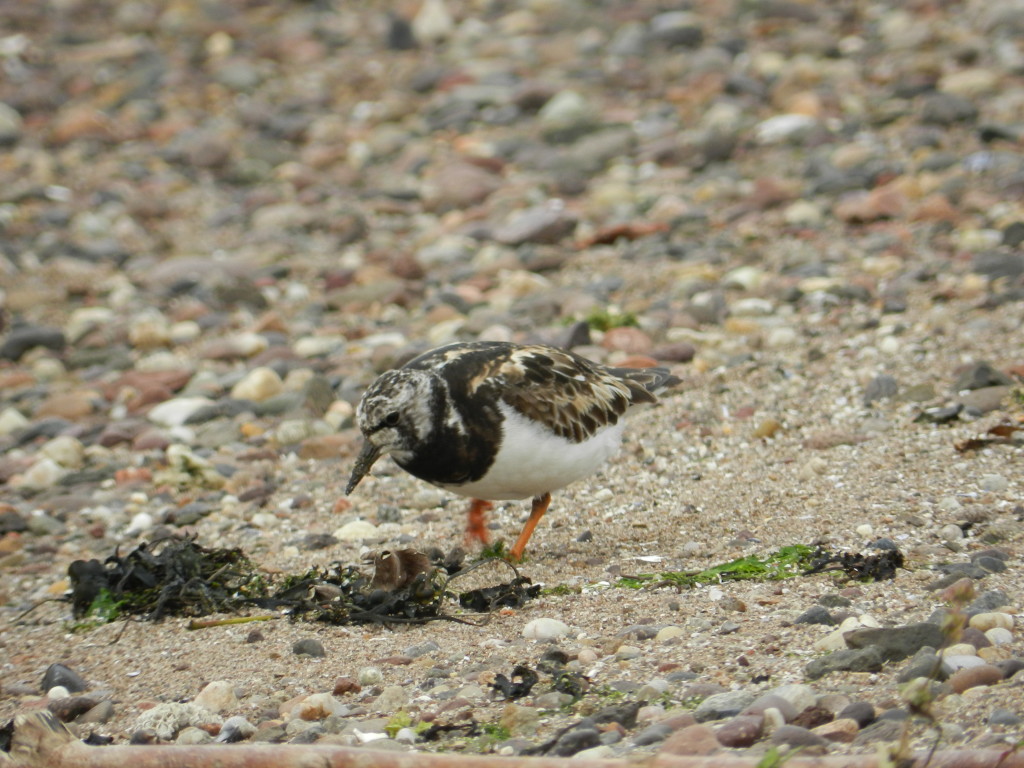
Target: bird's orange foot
(476, 523)
(540, 506)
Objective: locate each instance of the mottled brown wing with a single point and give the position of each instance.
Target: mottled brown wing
(574, 397)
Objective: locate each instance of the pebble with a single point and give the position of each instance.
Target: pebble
(258, 385)
(741, 731)
(545, 629)
(168, 719)
(519, 720)
(176, 412)
(44, 474)
(692, 740)
(971, 677)
(722, 705)
(356, 530)
(797, 736)
(989, 620)
(11, 421)
(391, 699)
(235, 729)
(368, 676)
(993, 483)
(309, 646)
(217, 696)
(999, 636)
(21, 340)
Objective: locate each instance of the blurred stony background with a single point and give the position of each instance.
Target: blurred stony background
(219, 220)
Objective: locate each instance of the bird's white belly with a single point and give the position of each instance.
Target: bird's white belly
(533, 461)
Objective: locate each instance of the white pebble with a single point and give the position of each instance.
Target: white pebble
(11, 420)
(751, 307)
(545, 629)
(890, 345)
(217, 696)
(748, 278)
(665, 633)
(48, 369)
(999, 636)
(141, 523)
(986, 621)
(802, 213)
(149, 332)
(356, 530)
(950, 504)
(58, 692)
(248, 344)
(258, 385)
(174, 412)
(292, 431)
(406, 736)
(368, 676)
(960, 649)
(185, 331)
(865, 531)
(783, 336)
(833, 641)
(85, 319)
(951, 664)
(65, 450)
(780, 128)
(951, 532)
(317, 346)
(43, 474)
(799, 695)
(628, 652)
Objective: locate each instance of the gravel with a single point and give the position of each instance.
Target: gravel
(221, 222)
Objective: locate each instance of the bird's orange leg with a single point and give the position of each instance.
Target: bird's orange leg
(540, 506)
(476, 524)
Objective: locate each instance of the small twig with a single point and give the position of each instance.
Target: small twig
(206, 623)
(26, 612)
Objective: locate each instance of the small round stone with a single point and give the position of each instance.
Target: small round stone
(993, 483)
(999, 636)
(986, 621)
(309, 646)
(545, 629)
(368, 676)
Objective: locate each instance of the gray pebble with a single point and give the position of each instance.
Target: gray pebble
(795, 736)
(58, 674)
(309, 646)
(879, 388)
(652, 734)
(1004, 717)
(816, 614)
(861, 711)
(897, 643)
(867, 659)
(21, 340)
(722, 705)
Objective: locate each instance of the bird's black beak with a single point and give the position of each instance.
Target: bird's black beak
(364, 461)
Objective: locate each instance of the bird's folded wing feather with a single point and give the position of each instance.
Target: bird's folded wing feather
(574, 398)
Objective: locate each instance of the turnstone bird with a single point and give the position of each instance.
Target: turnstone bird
(492, 420)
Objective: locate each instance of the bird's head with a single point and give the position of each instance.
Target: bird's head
(395, 416)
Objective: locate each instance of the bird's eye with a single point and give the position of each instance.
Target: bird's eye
(391, 420)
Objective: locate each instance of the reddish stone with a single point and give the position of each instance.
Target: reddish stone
(740, 731)
(972, 677)
(692, 740)
(345, 685)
